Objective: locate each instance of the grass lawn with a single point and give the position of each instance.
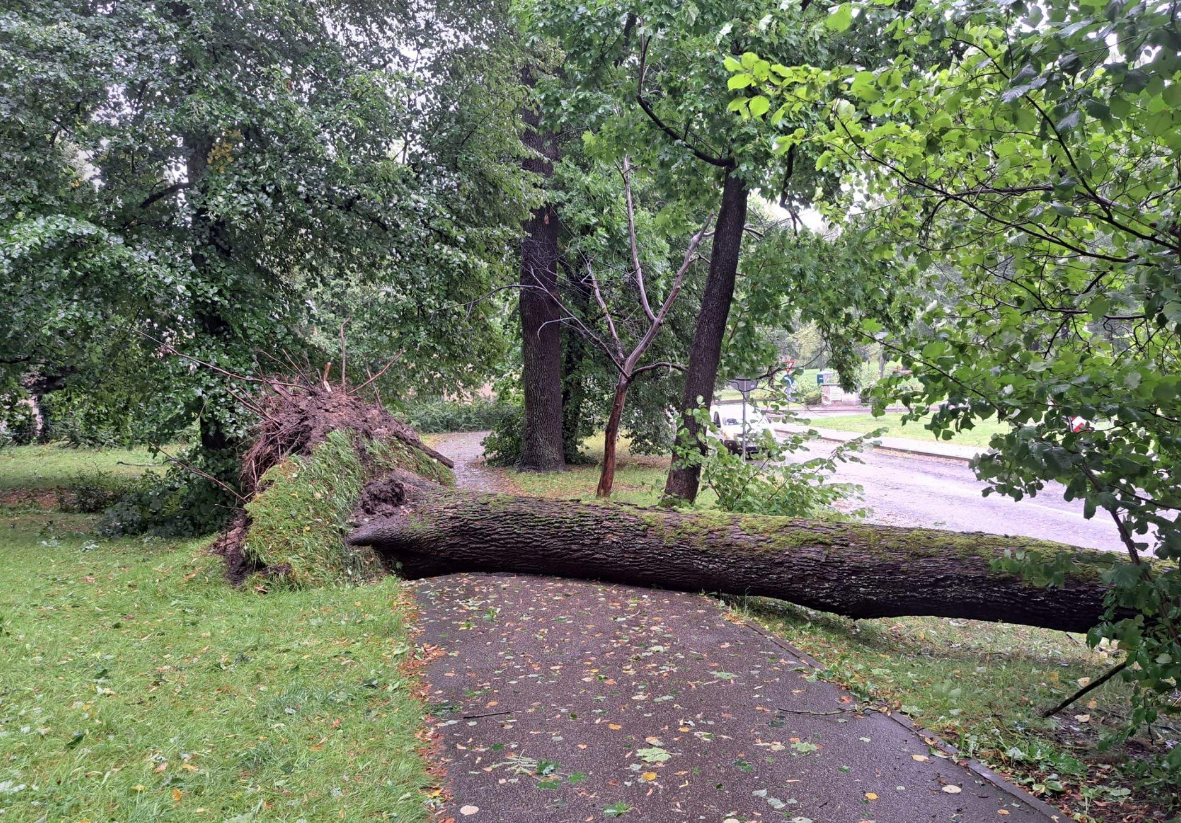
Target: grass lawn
(639, 479)
(862, 423)
(137, 686)
(54, 465)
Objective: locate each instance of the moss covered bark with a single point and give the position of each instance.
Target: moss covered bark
(858, 570)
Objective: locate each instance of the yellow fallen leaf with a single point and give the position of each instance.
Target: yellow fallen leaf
(138, 788)
(614, 726)
(1083, 718)
(922, 758)
(870, 796)
(649, 775)
(1002, 811)
(177, 794)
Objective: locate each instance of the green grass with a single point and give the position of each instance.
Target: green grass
(138, 686)
(862, 423)
(639, 479)
(55, 465)
(981, 686)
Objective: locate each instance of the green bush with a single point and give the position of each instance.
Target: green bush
(438, 415)
(96, 491)
(808, 395)
(18, 425)
(178, 503)
(502, 446)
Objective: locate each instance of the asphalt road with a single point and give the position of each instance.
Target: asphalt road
(944, 494)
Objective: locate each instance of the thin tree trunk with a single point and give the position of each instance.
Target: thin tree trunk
(541, 342)
(855, 569)
(611, 437)
(706, 351)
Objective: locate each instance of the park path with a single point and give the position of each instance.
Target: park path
(556, 701)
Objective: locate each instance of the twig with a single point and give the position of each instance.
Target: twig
(1085, 689)
(373, 377)
(488, 714)
(190, 468)
(344, 357)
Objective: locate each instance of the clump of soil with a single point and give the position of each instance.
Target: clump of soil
(293, 420)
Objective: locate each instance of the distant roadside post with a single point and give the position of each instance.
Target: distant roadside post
(744, 386)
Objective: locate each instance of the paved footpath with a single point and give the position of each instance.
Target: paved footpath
(558, 701)
(563, 701)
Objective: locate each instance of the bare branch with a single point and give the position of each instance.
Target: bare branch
(631, 234)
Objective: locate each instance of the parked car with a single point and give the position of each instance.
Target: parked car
(727, 418)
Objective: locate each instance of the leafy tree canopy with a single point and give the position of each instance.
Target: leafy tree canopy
(227, 179)
(1040, 168)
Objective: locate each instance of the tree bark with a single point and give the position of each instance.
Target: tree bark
(611, 437)
(541, 342)
(706, 351)
(857, 570)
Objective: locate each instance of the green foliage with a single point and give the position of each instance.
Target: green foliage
(1036, 177)
(773, 483)
(239, 182)
(18, 424)
(440, 415)
(95, 491)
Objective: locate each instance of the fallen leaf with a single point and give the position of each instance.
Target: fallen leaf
(952, 789)
(870, 796)
(649, 776)
(614, 726)
(922, 758)
(469, 810)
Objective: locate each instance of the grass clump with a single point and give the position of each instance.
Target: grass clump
(138, 687)
(299, 518)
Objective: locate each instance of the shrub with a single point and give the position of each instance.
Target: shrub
(94, 492)
(438, 415)
(502, 446)
(18, 424)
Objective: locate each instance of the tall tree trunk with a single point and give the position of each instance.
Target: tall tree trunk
(541, 339)
(210, 254)
(705, 354)
(611, 437)
(575, 351)
(855, 569)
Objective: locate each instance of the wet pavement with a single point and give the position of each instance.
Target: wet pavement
(558, 701)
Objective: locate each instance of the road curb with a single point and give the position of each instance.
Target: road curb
(917, 450)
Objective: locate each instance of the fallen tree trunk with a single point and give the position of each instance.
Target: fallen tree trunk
(854, 569)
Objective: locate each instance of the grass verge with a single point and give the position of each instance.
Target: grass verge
(864, 423)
